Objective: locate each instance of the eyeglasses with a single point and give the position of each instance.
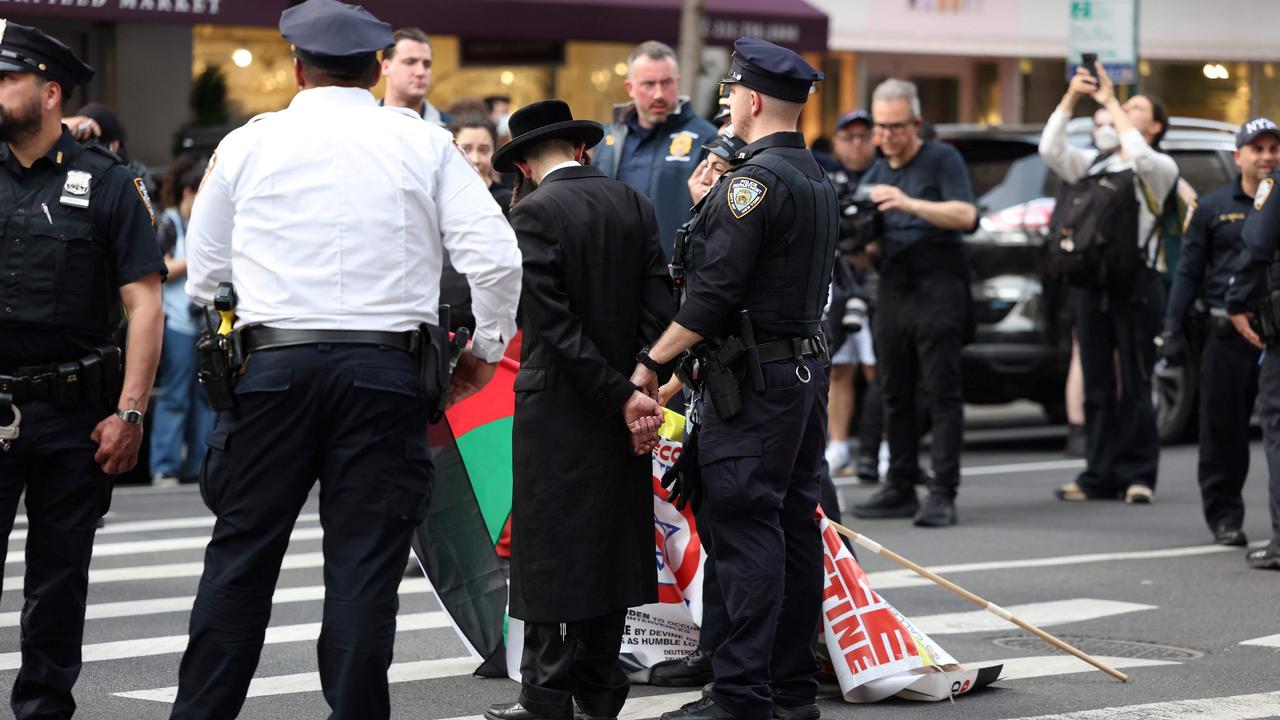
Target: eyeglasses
(894, 127)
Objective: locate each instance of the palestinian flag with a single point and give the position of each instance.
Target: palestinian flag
(470, 505)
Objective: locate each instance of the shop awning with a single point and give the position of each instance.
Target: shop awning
(793, 23)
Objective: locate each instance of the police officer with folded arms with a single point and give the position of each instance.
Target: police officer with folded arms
(1228, 363)
(1253, 302)
(757, 269)
(329, 219)
(77, 253)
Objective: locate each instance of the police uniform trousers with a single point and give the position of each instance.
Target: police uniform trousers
(1122, 444)
(920, 331)
(66, 494)
(1269, 416)
(761, 473)
(1228, 386)
(355, 418)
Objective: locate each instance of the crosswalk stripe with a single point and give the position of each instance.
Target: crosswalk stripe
(158, 606)
(310, 682)
(147, 647)
(1044, 614)
(888, 579)
(140, 547)
(638, 708)
(1233, 707)
(1268, 641)
(297, 561)
(159, 524)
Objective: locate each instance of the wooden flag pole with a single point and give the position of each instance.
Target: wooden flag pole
(990, 607)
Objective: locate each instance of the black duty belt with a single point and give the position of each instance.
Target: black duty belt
(67, 385)
(259, 337)
(790, 349)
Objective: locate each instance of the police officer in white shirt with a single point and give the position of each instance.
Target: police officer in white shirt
(329, 218)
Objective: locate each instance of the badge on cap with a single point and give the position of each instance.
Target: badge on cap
(75, 191)
(1264, 192)
(744, 195)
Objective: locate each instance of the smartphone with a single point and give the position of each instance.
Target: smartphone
(1090, 60)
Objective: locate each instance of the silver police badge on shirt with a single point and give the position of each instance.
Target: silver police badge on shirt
(744, 195)
(75, 191)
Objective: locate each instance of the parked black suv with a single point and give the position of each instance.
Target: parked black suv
(1022, 346)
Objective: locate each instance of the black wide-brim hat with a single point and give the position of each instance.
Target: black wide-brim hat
(543, 120)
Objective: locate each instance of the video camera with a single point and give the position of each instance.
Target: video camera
(861, 222)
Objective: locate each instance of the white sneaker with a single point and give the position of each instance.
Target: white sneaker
(165, 481)
(837, 455)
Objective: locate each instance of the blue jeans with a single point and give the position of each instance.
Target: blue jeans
(180, 412)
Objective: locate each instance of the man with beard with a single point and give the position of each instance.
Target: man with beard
(77, 243)
(595, 293)
(654, 143)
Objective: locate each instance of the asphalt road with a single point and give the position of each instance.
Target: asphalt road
(1096, 571)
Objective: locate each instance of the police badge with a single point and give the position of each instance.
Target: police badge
(75, 191)
(744, 195)
(680, 147)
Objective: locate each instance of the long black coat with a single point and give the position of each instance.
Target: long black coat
(596, 291)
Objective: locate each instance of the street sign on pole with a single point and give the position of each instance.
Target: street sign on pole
(1108, 28)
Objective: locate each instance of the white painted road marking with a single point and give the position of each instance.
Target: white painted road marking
(159, 606)
(1233, 707)
(888, 579)
(296, 561)
(310, 682)
(159, 524)
(1268, 641)
(147, 647)
(1043, 614)
(142, 547)
(1008, 469)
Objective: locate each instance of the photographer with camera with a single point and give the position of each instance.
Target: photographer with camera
(849, 326)
(1105, 244)
(923, 190)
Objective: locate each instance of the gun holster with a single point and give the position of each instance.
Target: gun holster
(217, 368)
(720, 383)
(434, 367)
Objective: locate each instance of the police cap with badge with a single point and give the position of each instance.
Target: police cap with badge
(334, 37)
(772, 70)
(24, 49)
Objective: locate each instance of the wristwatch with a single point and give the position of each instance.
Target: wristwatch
(133, 417)
(644, 359)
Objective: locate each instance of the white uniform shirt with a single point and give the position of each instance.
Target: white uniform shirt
(330, 214)
(1156, 169)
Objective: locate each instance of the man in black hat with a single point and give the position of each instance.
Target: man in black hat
(595, 293)
(757, 269)
(78, 242)
(332, 215)
(1228, 363)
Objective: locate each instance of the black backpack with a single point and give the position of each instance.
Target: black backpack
(1092, 230)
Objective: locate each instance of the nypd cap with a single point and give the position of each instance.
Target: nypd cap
(335, 37)
(771, 69)
(1255, 127)
(725, 146)
(852, 117)
(24, 49)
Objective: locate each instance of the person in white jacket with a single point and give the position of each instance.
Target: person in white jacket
(1116, 334)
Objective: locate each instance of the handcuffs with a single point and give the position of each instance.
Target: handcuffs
(9, 433)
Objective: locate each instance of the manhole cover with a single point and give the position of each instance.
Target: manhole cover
(1103, 647)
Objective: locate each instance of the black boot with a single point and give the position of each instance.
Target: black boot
(692, 670)
(888, 502)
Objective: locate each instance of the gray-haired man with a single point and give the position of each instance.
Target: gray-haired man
(924, 191)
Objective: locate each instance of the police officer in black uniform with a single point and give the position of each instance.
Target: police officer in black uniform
(77, 242)
(758, 266)
(1228, 363)
(1253, 299)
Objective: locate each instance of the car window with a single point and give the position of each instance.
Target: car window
(1204, 169)
(1004, 173)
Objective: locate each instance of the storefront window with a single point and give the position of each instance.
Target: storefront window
(1212, 90)
(256, 63)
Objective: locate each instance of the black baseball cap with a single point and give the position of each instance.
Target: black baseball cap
(853, 116)
(1255, 127)
(25, 49)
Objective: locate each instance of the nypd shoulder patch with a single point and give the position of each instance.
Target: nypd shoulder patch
(146, 199)
(1264, 192)
(744, 195)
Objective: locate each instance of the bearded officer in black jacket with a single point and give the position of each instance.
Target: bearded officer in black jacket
(595, 292)
(77, 247)
(758, 266)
